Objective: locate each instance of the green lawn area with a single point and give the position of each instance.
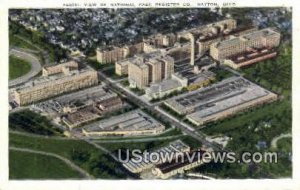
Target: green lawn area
(23, 165)
(18, 42)
(18, 67)
(285, 144)
(274, 74)
(56, 53)
(81, 153)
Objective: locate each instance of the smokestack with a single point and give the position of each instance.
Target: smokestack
(192, 38)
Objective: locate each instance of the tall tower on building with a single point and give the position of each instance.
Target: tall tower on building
(192, 39)
(155, 69)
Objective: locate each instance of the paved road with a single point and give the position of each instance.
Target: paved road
(139, 139)
(101, 148)
(199, 175)
(274, 140)
(45, 54)
(35, 66)
(68, 162)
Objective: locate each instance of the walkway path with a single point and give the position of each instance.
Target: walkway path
(68, 162)
(35, 66)
(39, 136)
(274, 140)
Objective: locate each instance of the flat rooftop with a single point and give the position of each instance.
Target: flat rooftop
(187, 159)
(223, 34)
(229, 92)
(40, 81)
(246, 56)
(163, 86)
(198, 78)
(173, 147)
(85, 97)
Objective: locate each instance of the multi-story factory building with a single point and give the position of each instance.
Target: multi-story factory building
(217, 34)
(60, 68)
(250, 57)
(150, 68)
(114, 54)
(220, 100)
(46, 87)
(265, 38)
(138, 74)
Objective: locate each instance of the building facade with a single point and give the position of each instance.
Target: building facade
(145, 70)
(138, 75)
(267, 38)
(50, 88)
(114, 54)
(60, 68)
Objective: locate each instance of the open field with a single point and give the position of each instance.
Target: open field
(18, 67)
(24, 165)
(84, 155)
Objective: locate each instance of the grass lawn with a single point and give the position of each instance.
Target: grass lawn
(23, 165)
(60, 147)
(81, 153)
(285, 145)
(18, 67)
(18, 42)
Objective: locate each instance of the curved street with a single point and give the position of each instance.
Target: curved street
(32, 59)
(68, 162)
(274, 140)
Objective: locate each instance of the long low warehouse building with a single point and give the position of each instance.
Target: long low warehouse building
(49, 86)
(220, 100)
(131, 123)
